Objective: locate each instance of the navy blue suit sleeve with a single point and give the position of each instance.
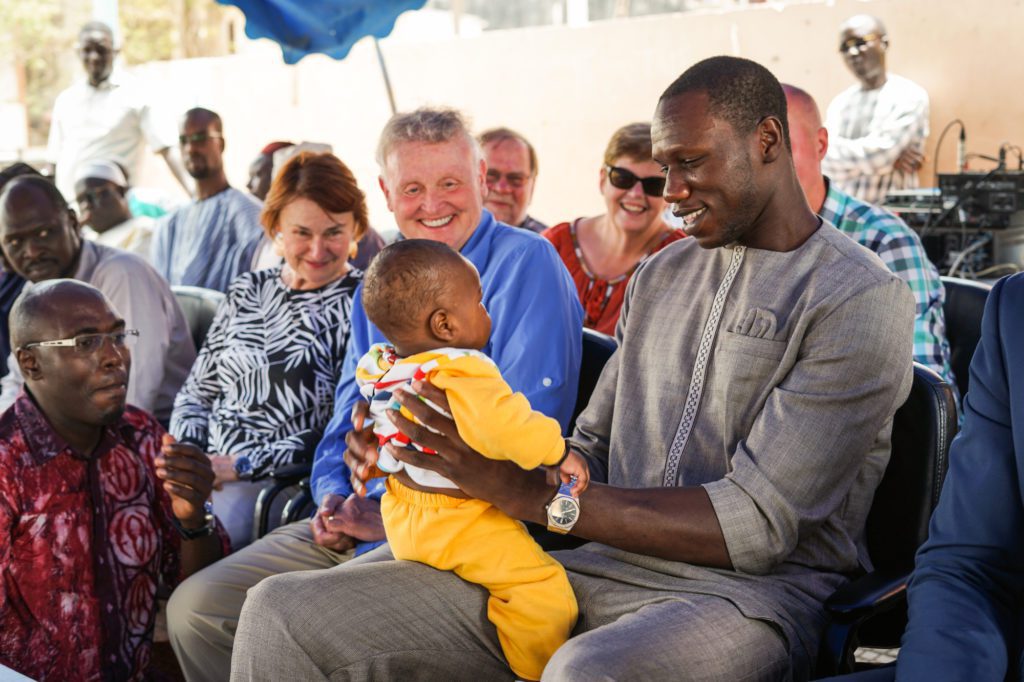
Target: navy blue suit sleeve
(966, 588)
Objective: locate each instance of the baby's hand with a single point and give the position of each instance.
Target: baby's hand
(575, 467)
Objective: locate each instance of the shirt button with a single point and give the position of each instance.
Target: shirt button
(546, 381)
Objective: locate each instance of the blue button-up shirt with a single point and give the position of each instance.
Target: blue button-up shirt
(536, 340)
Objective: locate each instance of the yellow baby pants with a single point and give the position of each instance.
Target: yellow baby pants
(531, 604)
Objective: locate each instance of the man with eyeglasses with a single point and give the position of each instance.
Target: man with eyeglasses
(40, 239)
(213, 239)
(877, 128)
(101, 192)
(106, 117)
(97, 503)
(511, 175)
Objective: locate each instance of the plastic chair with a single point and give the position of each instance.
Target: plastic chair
(199, 306)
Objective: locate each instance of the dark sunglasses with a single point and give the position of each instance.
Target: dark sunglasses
(199, 138)
(625, 179)
(854, 46)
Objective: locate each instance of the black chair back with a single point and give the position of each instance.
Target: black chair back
(597, 348)
(965, 303)
(199, 306)
(922, 431)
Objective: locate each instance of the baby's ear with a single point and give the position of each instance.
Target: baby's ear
(442, 325)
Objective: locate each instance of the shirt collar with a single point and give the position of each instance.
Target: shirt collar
(88, 257)
(113, 81)
(834, 206)
(478, 247)
(43, 441)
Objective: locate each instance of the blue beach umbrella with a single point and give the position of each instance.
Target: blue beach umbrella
(330, 27)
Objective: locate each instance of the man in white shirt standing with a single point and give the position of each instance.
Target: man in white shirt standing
(876, 128)
(105, 117)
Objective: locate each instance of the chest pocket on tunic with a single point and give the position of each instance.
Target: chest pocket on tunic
(744, 368)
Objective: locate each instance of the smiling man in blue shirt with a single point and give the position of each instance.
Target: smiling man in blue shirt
(434, 179)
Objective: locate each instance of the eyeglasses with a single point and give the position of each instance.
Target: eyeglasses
(854, 46)
(88, 344)
(514, 180)
(199, 138)
(625, 179)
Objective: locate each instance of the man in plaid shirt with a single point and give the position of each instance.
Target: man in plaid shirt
(897, 245)
(878, 125)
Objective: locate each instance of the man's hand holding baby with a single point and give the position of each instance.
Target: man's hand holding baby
(520, 494)
(361, 452)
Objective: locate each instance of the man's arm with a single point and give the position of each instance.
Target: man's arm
(879, 150)
(674, 523)
(966, 591)
(187, 483)
(902, 252)
(330, 473)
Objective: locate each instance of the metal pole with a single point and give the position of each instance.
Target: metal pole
(384, 72)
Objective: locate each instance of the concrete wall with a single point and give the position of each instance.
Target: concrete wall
(568, 89)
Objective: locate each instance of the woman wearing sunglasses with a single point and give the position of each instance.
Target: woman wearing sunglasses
(602, 252)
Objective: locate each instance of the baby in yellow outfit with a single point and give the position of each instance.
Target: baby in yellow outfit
(427, 301)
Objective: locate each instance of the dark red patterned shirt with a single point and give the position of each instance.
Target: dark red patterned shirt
(83, 542)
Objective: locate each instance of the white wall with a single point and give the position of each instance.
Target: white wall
(568, 89)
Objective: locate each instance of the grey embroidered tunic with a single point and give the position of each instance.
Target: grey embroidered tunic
(771, 380)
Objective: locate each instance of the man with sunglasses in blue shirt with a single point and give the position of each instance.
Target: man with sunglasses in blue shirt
(212, 240)
(41, 240)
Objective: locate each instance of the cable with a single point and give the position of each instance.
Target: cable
(959, 201)
(1009, 269)
(942, 136)
(985, 239)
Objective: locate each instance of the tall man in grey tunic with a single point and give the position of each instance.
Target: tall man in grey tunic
(740, 430)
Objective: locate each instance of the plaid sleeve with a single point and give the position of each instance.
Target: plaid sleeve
(901, 250)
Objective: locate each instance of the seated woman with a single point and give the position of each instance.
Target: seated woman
(262, 389)
(601, 253)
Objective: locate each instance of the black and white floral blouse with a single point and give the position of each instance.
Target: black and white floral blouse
(263, 384)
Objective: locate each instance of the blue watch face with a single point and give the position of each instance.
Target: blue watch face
(243, 466)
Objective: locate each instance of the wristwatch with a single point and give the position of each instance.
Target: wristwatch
(563, 509)
(243, 468)
(208, 527)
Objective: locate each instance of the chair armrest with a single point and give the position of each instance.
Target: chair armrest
(870, 594)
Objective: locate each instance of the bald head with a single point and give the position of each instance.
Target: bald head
(37, 310)
(30, 183)
(809, 139)
(863, 24)
(80, 384)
